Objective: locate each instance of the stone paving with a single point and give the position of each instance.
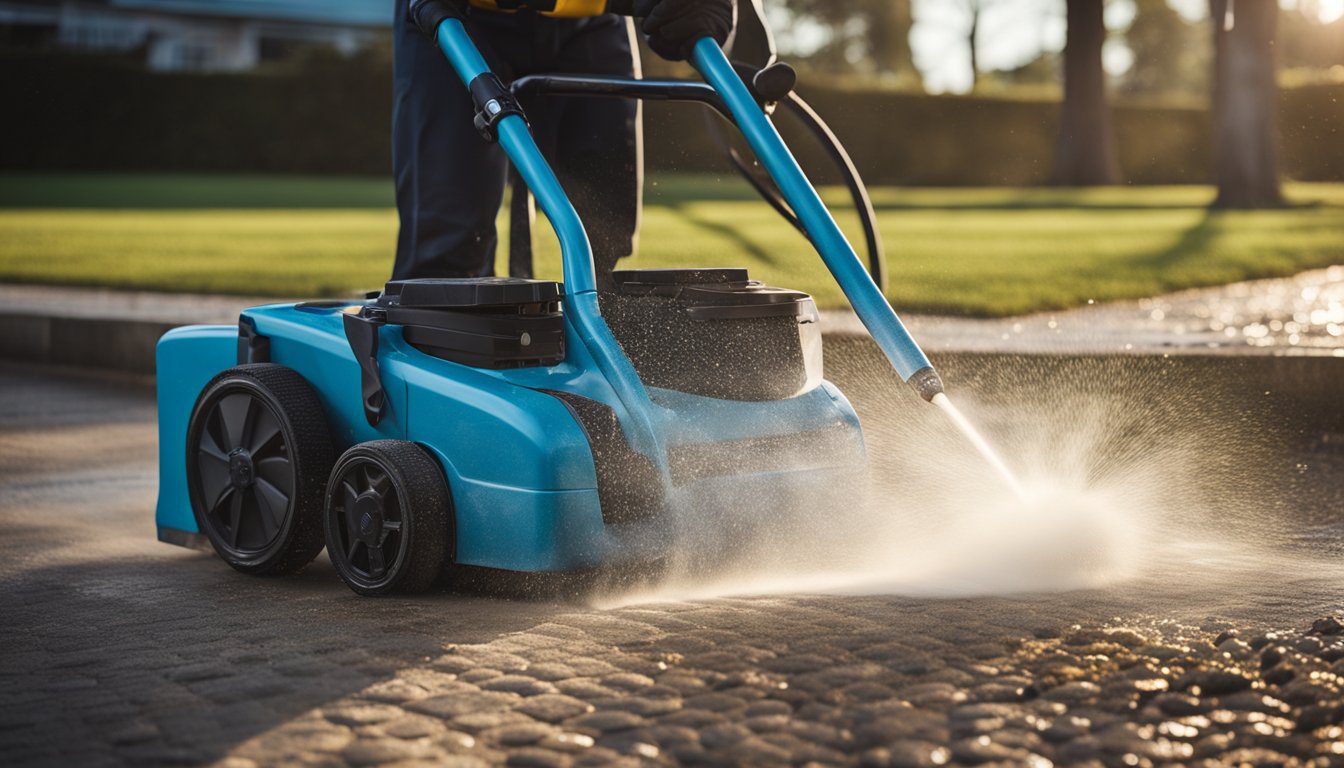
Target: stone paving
(809, 681)
(121, 650)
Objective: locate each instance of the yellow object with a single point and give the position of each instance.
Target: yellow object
(571, 9)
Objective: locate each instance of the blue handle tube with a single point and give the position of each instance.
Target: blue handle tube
(581, 305)
(863, 294)
(576, 252)
(517, 141)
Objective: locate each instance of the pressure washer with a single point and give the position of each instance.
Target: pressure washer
(514, 423)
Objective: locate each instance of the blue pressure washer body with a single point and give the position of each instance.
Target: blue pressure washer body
(517, 424)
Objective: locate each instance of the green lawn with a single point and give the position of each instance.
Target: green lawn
(960, 251)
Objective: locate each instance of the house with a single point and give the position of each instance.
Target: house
(194, 35)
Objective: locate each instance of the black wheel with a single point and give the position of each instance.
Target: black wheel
(389, 518)
(258, 454)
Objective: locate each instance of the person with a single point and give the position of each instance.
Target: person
(450, 182)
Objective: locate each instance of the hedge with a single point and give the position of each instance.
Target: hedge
(91, 114)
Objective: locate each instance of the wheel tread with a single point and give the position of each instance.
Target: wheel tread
(427, 505)
(312, 452)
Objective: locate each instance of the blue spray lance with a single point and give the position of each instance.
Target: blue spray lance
(872, 308)
(863, 294)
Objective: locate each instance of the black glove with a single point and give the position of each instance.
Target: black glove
(428, 14)
(674, 26)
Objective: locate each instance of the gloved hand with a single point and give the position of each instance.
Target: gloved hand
(673, 26)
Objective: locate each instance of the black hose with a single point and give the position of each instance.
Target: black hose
(858, 191)
(765, 186)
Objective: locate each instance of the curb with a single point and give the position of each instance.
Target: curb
(1313, 382)
(1303, 388)
(124, 346)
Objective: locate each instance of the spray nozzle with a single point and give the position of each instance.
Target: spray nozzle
(926, 382)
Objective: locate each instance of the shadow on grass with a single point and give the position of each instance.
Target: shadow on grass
(1192, 245)
(1192, 261)
(1068, 202)
(736, 235)
(678, 192)
(206, 191)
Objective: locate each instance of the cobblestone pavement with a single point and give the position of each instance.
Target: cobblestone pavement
(118, 649)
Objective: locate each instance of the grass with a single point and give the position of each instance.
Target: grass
(986, 252)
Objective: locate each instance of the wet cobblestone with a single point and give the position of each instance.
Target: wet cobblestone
(1155, 693)
(119, 650)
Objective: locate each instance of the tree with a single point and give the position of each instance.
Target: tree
(1019, 15)
(888, 25)
(1245, 104)
(874, 32)
(1085, 152)
(1171, 54)
(974, 7)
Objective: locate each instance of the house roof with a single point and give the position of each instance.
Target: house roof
(369, 13)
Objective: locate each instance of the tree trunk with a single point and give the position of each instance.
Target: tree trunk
(970, 40)
(889, 40)
(1085, 154)
(1245, 104)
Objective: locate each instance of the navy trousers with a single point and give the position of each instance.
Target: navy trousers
(450, 182)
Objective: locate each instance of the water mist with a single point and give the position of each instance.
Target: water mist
(1130, 474)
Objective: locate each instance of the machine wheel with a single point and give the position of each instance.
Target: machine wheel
(258, 451)
(389, 518)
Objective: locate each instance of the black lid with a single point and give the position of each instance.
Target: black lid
(469, 292)
(752, 294)
(714, 294)
(712, 276)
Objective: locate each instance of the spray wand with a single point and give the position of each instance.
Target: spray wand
(872, 308)
(864, 296)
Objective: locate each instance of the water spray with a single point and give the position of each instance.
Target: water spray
(981, 444)
(930, 387)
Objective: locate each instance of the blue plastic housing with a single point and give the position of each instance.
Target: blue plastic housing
(518, 463)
